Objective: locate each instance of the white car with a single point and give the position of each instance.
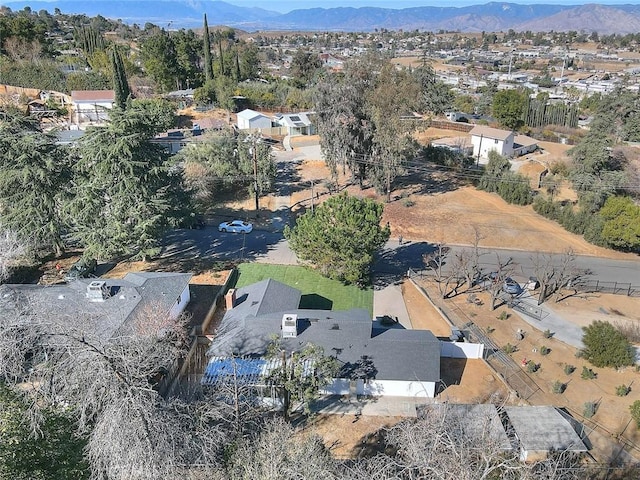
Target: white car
(236, 226)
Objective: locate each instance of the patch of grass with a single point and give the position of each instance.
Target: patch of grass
(318, 292)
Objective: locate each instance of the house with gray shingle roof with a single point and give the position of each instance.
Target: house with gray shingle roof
(101, 307)
(399, 362)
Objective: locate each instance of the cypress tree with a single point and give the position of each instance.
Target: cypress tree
(208, 70)
(120, 84)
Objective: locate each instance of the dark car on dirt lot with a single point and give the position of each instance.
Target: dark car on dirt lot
(83, 268)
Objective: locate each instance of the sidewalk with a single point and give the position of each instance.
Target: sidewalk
(375, 406)
(563, 330)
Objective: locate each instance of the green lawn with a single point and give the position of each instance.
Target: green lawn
(318, 292)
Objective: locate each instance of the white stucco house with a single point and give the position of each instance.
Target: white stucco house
(91, 105)
(373, 360)
(486, 139)
(251, 120)
(296, 123)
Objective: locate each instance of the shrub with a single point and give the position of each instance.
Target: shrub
(547, 333)
(508, 348)
(587, 374)
(532, 367)
(503, 315)
(544, 350)
(558, 387)
(569, 369)
(623, 390)
(590, 409)
(490, 329)
(635, 412)
(408, 203)
(631, 330)
(606, 346)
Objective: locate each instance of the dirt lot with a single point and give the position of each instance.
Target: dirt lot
(446, 209)
(612, 418)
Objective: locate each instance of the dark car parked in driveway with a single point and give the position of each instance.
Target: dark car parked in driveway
(511, 286)
(83, 268)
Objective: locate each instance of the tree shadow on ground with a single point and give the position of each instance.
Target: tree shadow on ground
(428, 178)
(392, 263)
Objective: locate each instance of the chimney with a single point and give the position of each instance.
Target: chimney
(289, 325)
(230, 298)
(97, 291)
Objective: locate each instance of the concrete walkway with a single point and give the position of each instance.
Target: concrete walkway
(563, 330)
(375, 406)
(389, 301)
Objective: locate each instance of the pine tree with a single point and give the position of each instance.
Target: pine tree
(122, 201)
(120, 83)
(33, 184)
(208, 69)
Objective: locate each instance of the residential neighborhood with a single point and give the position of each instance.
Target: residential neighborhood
(333, 255)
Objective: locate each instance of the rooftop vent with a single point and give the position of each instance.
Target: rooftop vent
(289, 325)
(97, 291)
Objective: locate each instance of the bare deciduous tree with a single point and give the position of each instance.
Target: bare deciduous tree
(64, 358)
(435, 261)
(554, 274)
(496, 279)
(11, 249)
(443, 444)
(278, 452)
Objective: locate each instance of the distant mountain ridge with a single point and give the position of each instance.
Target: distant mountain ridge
(494, 16)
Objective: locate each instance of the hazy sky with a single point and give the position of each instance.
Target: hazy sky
(288, 5)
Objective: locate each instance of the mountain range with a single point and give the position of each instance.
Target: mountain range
(494, 16)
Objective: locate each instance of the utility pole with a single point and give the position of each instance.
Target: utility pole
(253, 150)
(255, 177)
(312, 196)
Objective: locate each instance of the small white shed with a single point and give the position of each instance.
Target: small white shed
(251, 120)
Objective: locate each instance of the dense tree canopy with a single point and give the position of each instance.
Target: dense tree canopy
(606, 346)
(49, 450)
(340, 237)
(363, 120)
(621, 227)
(508, 107)
(124, 188)
(34, 183)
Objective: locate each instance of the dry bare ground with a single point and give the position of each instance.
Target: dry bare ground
(612, 419)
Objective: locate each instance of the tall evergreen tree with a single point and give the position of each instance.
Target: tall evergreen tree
(122, 201)
(208, 68)
(120, 83)
(33, 184)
